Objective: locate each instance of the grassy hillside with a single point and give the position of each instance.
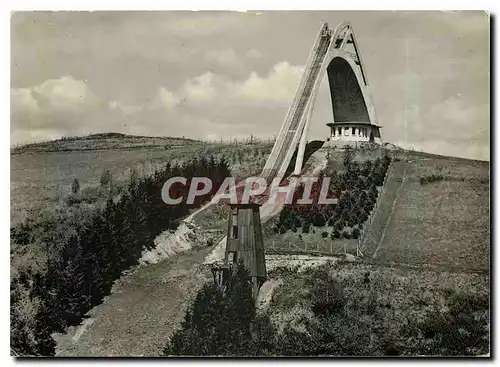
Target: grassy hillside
(431, 259)
(42, 173)
(102, 141)
(440, 216)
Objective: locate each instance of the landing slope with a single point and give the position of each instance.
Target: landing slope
(444, 223)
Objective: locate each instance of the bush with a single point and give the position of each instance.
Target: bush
(327, 296)
(353, 220)
(106, 178)
(355, 233)
(462, 330)
(75, 186)
(346, 234)
(424, 180)
(319, 220)
(224, 323)
(335, 234)
(324, 234)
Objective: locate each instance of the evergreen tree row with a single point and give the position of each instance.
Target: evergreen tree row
(356, 190)
(92, 254)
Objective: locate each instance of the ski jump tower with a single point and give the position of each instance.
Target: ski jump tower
(337, 54)
(354, 120)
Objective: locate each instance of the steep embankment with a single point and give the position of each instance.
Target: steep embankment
(442, 223)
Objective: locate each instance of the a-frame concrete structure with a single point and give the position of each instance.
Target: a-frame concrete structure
(337, 54)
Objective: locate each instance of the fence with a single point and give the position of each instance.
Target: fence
(326, 247)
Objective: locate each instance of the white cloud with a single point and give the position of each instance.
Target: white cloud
(223, 57)
(254, 54)
(200, 88)
(33, 135)
(22, 99)
(51, 109)
(167, 98)
(279, 85)
(124, 108)
(65, 92)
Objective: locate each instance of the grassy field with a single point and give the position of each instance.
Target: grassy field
(44, 178)
(442, 223)
(41, 175)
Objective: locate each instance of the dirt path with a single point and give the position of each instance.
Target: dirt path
(142, 311)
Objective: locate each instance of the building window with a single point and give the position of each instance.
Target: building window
(333, 131)
(353, 131)
(339, 131)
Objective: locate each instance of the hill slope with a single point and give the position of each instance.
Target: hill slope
(441, 223)
(102, 141)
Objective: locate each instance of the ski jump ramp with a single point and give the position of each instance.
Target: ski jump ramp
(336, 53)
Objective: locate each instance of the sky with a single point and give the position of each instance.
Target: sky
(212, 75)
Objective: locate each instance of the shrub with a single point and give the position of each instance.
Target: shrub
(424, 180)
(92, 248)
(462, 330)
(346, 234)
(324, 234)
(106, 178)
(75, 186)
(335, 234)
(327, 296)
(217, 323)
(353, 220)
(319, 220)
(355, 233)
